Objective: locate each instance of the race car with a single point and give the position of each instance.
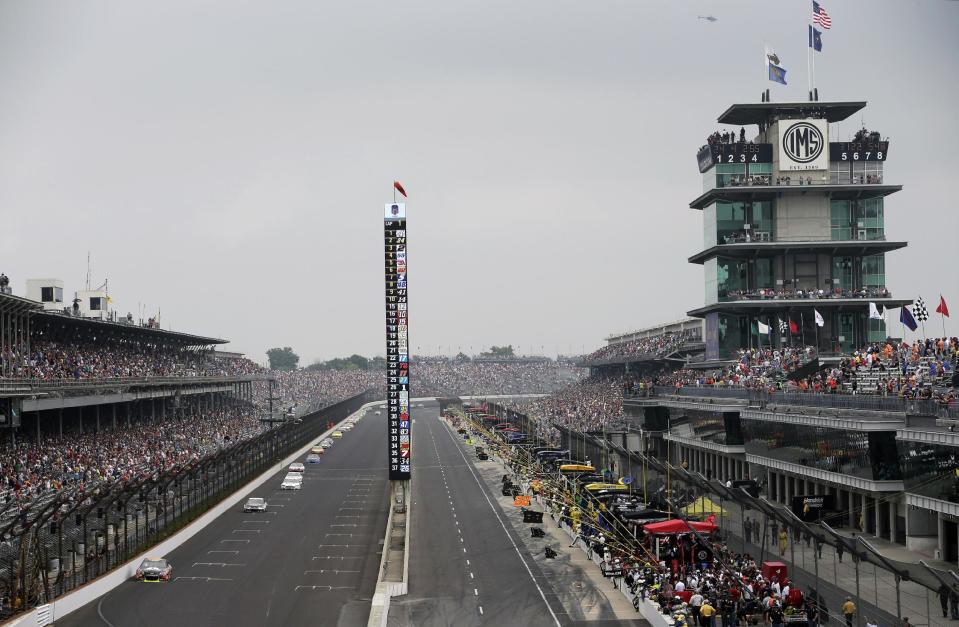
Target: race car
(313, 458)
(293, 481)
(336, 434)
(154, 569)
(297, 467)
(255, 504)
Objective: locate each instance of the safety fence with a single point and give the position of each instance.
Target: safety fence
(924, 581)
(78, 536)
(913, 586)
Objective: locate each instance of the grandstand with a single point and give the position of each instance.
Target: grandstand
(111, 430)
(665, 345)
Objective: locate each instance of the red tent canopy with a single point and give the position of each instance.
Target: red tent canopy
(671, 527)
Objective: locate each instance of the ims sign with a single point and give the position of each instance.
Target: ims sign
(802, 145)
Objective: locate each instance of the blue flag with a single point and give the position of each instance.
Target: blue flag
(815, 39)
(906, 318)
(777, 74)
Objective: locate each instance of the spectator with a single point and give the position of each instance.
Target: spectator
(848, 611)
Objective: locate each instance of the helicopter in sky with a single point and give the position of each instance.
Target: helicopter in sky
(708, 18)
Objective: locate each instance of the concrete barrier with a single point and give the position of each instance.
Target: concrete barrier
(648, 609)
(388, 586)
(76, 599)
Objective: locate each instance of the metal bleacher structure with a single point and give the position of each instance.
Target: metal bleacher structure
(23, 323)
(58, 539)
(681, 342)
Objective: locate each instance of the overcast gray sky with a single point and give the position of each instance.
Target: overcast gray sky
(227, 161)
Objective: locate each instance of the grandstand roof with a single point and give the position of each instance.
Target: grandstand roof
(655, 330)
(185, 339)
(16, 304)
(754, 113)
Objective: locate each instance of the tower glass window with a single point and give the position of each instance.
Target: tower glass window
(842, 276)
(731, 277)
(874, 271)
(857, 220)
(741, 222)
(712, 276)
(721, 174)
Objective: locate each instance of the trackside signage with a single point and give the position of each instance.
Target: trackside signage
(803, 145)
(397, 342)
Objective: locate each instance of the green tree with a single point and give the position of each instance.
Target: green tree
(500, 351)
(282, 358)
(353, 362)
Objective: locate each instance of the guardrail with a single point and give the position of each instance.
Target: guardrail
(76, 538)
(393, 579)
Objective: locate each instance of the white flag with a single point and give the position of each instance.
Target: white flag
(763, 328)
(874, 312)
(819, 321)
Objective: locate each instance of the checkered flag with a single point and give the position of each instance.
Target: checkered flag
(919, 310)
(783, 326)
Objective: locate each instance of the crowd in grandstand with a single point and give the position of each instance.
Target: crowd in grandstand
(29, 470)
(309, 390)
(445, 377)
(50, 360)
(922, 369)
(646, 347)
(915, 370)
(586, 405)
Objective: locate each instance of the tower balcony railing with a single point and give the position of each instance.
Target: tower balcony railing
(803, 294)
(764, 236)
(767, 180)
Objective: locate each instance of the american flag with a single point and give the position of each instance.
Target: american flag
(819, 16)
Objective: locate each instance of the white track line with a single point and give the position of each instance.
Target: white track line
(469, 466)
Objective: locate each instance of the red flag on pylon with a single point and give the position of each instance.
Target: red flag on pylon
(793, 327)
(399, 188)
(942, 309)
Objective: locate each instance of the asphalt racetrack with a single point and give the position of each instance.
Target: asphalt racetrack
(465, 567)
(311, 559)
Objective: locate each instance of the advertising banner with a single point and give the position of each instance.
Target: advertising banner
(397, 342)
(803, 145)
(812, 507)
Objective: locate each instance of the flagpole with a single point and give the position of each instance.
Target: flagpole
(942, 316)
(809, 62)
(899, 351)
(925, 314)
(816, 324)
